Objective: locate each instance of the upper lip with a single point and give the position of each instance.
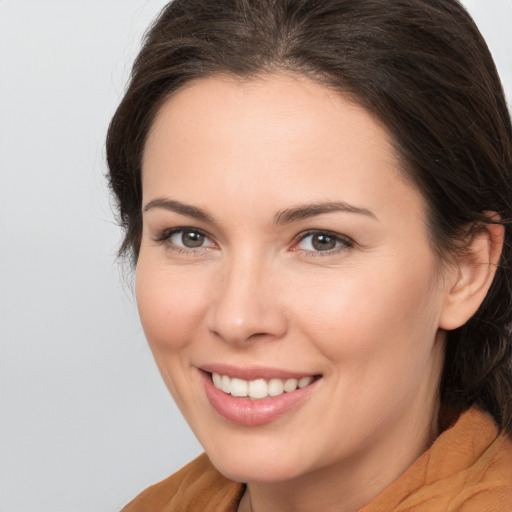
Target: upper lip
(254, 372)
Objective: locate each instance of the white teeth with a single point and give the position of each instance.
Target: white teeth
(239, 387)
(217, 380)
(225, 384)
(275, 387)
(290, 385)
(258, 388)
(305, 381)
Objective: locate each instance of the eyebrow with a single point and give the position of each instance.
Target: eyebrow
(286, 216)
(311, 210)
(177, 207)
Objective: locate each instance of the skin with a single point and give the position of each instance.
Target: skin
(366, 315)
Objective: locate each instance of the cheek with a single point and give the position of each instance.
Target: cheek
(171, 304)
(363, 316)
(378, 332)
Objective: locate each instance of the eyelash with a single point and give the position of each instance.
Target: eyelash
(166, 235)
(345, 243)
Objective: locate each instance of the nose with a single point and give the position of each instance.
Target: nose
(246, 305)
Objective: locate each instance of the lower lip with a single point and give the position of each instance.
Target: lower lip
(245, 411)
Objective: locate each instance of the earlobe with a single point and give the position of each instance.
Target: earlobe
(472, 275)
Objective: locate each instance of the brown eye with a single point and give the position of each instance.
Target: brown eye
(192, 239)
(322, 242)
(185, 239)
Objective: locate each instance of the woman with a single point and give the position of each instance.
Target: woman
(317, 197)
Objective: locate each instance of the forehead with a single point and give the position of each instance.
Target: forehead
(287, 106)
(284, 135)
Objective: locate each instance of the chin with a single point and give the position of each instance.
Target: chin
(254, 465)
(256, 471)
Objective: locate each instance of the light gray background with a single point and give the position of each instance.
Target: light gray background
(85, 420)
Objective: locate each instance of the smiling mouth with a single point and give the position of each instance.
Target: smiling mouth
(259, 389)
(254, 396)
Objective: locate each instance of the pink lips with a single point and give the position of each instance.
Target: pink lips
(252, 373)
(248, 412)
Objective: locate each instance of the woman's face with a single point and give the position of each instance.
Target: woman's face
(282, 248)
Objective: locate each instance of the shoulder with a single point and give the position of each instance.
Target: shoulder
(197, 486)
(467, 469)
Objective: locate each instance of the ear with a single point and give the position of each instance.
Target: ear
(472, 274)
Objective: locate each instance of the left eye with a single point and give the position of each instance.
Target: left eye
(322, 241)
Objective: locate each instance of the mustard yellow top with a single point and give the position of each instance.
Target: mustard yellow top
(467, 469)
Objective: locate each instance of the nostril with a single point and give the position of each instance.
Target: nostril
(244, 309)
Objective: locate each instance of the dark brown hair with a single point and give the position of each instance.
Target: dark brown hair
(420, 66)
